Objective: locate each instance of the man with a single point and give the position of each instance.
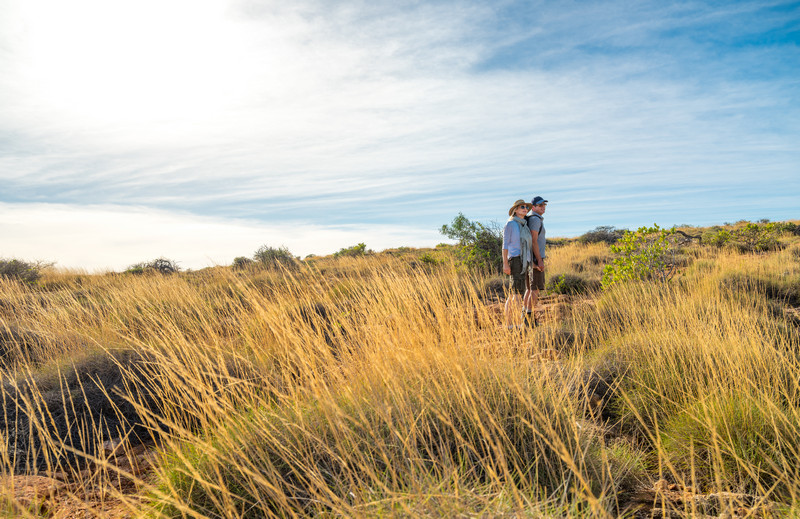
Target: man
(535, 223)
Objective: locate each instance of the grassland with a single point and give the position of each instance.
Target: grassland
(387, 385)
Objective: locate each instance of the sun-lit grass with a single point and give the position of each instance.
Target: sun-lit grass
(385, 386)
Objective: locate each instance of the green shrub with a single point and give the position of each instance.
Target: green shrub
(758, 238)
(603, 233)
(479, 245)
(158, 265)
(791, 228)
(716, 237)
(353, 251)
(646, 254)
(274, 257)
(24, 271)
(751, 237)
(429, 259)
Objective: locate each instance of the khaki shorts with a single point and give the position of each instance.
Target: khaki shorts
(536, 278)
(519, 279)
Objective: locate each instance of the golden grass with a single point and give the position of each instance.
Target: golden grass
(384, 386)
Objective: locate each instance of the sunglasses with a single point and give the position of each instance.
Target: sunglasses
(523, 207)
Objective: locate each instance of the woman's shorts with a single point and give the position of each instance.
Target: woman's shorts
(519, 278)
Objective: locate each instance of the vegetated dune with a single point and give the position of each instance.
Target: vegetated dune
(388, 385)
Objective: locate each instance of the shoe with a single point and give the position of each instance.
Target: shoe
(529, 319)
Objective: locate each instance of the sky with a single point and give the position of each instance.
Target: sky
(200, 130)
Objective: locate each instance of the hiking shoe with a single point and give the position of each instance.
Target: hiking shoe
(529, 319)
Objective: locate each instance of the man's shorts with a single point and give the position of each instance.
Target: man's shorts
(519, 278)
(536, 278)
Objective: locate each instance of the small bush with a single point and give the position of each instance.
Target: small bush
(353, 251)
(76, 403)
(158, 265)
(20, 270)
(604, 233)
(647, 254)
(791, 228)
(570, 284)
(716, 237)
(751, 237)
(758, 238)
(429, 259)
(274, 257)
(595, 260)
(479, 245)
(242, 262)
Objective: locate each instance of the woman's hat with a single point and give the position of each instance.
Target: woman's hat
(514, 207)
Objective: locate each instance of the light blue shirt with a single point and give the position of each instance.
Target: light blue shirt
(511, 240)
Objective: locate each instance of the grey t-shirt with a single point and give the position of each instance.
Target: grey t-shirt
(536, 223)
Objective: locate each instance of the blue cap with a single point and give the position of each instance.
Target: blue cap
(538, 200)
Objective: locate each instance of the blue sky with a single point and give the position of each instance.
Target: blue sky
(201, 130)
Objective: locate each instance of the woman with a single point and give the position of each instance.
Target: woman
(517, 244)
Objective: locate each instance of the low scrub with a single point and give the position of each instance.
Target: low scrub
(273, 257)
(25, 271)
(242, 263)
(603, 233)
(73, 403)
(571, 284)
(157, 266)
(359, 249)
(749, 237)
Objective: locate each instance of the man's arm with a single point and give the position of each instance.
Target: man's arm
(537, 257)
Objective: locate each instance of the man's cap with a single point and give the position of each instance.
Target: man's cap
(538, 200)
